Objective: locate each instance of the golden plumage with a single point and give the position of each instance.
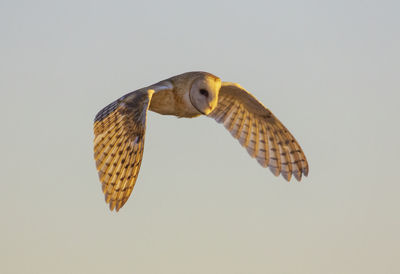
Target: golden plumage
(119, 131)
(259, 131)
(120, 127)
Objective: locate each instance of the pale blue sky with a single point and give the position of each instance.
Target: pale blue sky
(328, 69)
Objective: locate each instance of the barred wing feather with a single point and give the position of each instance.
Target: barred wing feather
(260, 132)
(119, 131)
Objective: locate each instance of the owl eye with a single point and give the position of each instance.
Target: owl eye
(204, 92)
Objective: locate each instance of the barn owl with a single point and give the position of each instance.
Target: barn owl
(120, 128)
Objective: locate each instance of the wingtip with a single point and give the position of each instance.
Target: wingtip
(305, 171)
(120, 204)
(297, 174)
(287, 175)
(274, 170)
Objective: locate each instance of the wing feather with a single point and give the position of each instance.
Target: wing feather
(260, 132)
(232, 118)
(223, 111)
(249, 134)
(264, 151)
(119, 131)
(256, 138)
(274, 159)
(286, 164)
(240, 128)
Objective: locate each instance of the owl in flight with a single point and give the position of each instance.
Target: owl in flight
(120, 127)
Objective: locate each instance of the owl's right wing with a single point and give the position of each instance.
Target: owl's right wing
(119, 131)
(259, 131)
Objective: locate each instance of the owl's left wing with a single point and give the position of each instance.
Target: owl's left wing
(259, 131)
(119, 131)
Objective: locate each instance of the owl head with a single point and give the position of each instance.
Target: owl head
(204, 91)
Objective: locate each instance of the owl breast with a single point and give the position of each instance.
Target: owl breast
(170, 102)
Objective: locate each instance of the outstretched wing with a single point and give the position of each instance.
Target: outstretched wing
(260, 132)
(119, 131)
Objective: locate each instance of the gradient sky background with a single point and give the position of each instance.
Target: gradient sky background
(328, 69)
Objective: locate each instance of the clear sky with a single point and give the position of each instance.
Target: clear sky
(329, 70)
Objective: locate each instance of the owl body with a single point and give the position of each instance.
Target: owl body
(175, 99)
(173, 102)
(120, 127)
